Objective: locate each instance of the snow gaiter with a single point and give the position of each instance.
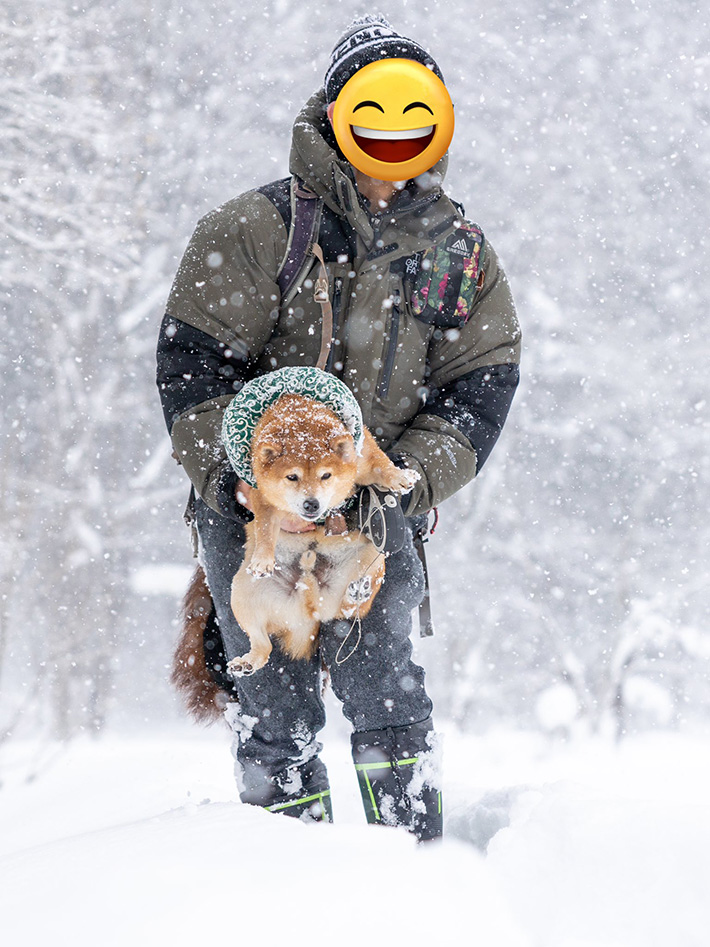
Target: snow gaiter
(398, 771)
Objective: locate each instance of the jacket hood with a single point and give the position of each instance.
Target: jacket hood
(317, 161)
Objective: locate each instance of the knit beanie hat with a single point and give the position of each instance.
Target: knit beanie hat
(367, 39)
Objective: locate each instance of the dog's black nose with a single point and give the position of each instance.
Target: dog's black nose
(311, 506)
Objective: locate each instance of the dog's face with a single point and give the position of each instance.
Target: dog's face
(306, 477)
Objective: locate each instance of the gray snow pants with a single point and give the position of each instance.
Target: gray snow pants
(280, 706)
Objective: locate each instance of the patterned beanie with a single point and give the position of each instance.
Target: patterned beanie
(247, 407)
(367, 39)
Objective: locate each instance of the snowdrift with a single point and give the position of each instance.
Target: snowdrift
(588, 847)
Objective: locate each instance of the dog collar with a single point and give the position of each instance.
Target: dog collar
(248, 406)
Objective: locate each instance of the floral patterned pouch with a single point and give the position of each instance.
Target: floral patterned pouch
(448, 277)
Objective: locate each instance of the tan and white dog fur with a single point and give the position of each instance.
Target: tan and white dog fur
(305, 464)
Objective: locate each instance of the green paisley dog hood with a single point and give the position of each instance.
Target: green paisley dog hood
(247, 407)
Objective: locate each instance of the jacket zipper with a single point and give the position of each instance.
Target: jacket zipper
(384, 385)
(337, 295)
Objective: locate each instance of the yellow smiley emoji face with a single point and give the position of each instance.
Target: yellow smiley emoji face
(393, 119)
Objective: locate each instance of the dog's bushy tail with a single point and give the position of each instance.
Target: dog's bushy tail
(203, 698)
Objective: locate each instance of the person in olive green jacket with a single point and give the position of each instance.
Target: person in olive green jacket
(434, 373)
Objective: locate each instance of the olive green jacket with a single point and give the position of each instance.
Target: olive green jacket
(399, 367)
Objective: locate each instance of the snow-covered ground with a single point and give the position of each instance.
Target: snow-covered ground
(139, 839)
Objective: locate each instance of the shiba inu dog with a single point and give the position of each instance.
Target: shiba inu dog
(305, 464)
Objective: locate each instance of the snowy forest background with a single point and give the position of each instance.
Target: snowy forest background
(570, 581)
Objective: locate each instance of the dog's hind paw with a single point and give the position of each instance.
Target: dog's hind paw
(237, 667)
(240, 667)
(359, 591)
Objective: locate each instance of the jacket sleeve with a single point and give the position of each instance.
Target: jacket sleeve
(473, 376)
(221, 313)
(197, 377)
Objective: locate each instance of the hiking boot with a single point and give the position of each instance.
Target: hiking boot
(316, 807)
(398, 774)
(299, 790)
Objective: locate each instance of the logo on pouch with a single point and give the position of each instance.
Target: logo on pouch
(460, 247)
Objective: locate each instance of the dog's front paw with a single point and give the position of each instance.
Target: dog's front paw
(401, 481)
(409, 478)
(261, 568)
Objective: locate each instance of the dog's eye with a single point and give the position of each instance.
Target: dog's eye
(326, 476)
(292, 477)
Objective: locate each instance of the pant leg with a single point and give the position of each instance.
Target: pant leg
(280, 707)
(395, 748)
(378, 683)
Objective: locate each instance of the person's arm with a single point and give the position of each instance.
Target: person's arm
(197, 378)
(221, 312)
(474, 374)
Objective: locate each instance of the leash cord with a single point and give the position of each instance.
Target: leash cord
(356, 622)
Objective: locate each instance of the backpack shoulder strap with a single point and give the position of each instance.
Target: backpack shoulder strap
(306, 209)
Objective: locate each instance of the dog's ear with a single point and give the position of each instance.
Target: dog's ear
(343, 446)
(267, 452)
